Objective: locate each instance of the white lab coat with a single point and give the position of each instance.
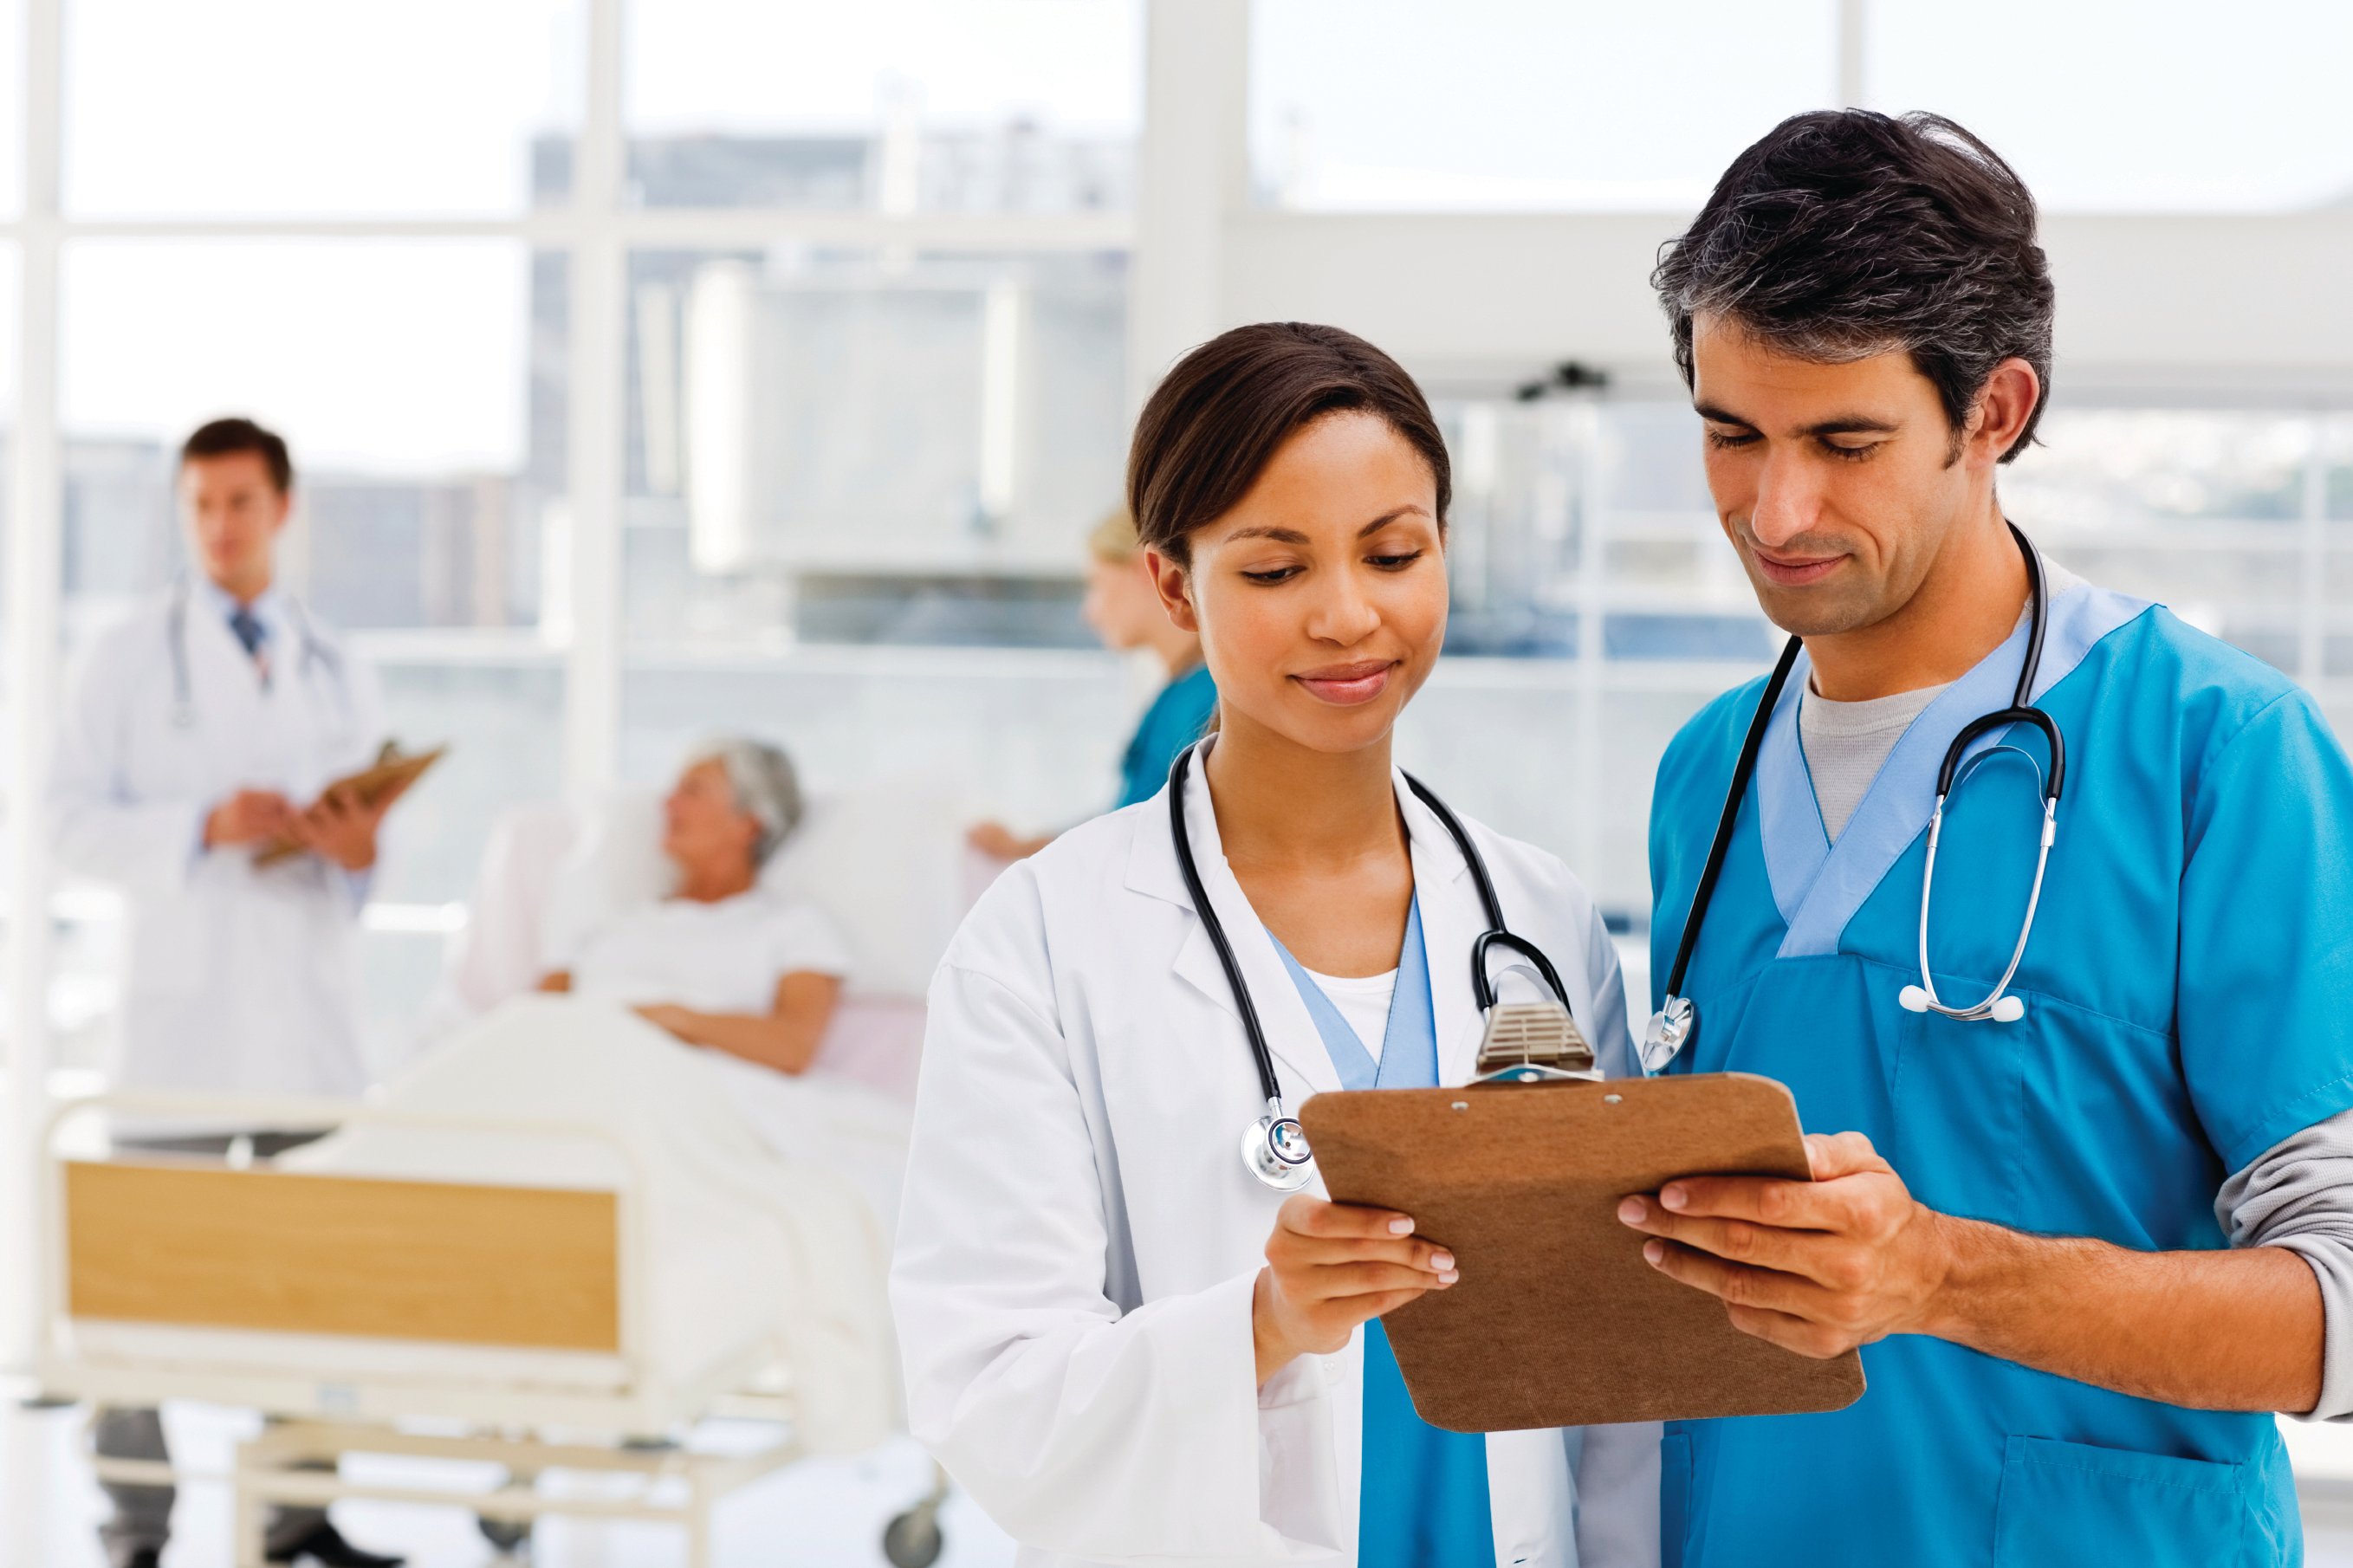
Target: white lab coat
(239, 978)
(1078, 1240)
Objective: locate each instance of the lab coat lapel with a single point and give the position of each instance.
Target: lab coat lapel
(233, 710)
(1152, 869)
(1451, 920)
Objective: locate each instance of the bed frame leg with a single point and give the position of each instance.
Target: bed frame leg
(248, 1545)
(697, 1527)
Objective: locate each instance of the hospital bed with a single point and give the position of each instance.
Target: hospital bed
(536, 1295)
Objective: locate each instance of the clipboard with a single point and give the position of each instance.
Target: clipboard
(390, 773)
(1557, 1320)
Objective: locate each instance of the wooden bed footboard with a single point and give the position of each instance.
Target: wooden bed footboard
(156, 1241)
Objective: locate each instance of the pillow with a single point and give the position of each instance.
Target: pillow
(886, 865)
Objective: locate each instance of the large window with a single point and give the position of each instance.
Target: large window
(859, 447)
(396, 369)
(1522, 105)
(1596, 105)
(245, 108)
(896, 106)
(12, 91)
(2161, 105)
(859, 471)
(857, 302)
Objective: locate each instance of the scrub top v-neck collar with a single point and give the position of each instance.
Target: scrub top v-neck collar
(1408, 1044)
(1817, 886)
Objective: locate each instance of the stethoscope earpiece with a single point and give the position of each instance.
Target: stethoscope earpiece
(1912, 999)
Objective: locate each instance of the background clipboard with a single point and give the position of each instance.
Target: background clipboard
(390, 773)
(1557, 1320)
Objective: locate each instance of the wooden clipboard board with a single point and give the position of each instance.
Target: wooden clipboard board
(1557, 1320)
(391, 773)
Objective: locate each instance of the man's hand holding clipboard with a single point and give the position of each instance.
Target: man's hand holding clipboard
(1816, 1266)
(341, 826)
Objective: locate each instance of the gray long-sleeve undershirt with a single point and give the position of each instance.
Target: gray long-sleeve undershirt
(2298, 1196)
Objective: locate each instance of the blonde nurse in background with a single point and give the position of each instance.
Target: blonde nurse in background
(1123, 608)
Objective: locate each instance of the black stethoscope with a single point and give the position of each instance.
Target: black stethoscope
(1677, 1022)
(315, 654)
(1275, 1147)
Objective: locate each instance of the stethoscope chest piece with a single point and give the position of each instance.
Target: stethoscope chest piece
(1670, 1030)
(1522, 1041)
(1274, 1148)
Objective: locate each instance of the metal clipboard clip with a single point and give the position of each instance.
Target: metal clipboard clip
(1533, 1042)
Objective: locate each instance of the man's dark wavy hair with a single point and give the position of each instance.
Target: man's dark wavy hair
(1844, 234)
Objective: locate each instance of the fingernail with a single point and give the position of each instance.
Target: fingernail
(1400, 1227)
(1449, 1277)
(1675, 1198)
(1441, 1261)
(1653, 1250)
(1633, 1210)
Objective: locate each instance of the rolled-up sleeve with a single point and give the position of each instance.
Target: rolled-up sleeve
(2299, 1196)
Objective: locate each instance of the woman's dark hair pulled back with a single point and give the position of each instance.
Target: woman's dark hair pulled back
(1216, 419)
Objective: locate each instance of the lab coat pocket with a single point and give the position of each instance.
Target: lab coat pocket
(1675, 1498)
(2071, 1503)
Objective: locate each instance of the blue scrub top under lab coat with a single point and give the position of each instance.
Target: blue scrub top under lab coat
(2189, 998)
(1422, 1498)
(1176, 719)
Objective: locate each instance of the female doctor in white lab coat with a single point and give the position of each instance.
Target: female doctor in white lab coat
(1125, 1346)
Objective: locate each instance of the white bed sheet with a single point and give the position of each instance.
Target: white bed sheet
(748, 1246)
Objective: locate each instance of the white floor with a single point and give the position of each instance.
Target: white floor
(819, 1514)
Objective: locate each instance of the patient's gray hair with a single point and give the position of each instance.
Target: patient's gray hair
(766, 788)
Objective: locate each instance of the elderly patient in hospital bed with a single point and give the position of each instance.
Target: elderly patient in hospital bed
(723, 961)
(733, 996)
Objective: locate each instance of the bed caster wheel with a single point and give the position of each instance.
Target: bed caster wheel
(913, 1539)
(510, 1536)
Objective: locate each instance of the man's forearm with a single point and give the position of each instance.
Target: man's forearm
(2215, 1330)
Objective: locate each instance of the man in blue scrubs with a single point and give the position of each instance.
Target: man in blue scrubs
(2088, 1250)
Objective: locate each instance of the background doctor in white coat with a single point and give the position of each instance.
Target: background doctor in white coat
(1119, 1342)
(197, 730)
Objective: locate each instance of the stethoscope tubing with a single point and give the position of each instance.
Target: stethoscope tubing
(1262, 1055)
(184, 694)
(1679, 1015)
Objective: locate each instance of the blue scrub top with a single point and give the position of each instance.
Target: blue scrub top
(1422, 1498)
(1174, 720)
(2189, 996)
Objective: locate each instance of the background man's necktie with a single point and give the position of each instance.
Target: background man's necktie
(249, 629)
